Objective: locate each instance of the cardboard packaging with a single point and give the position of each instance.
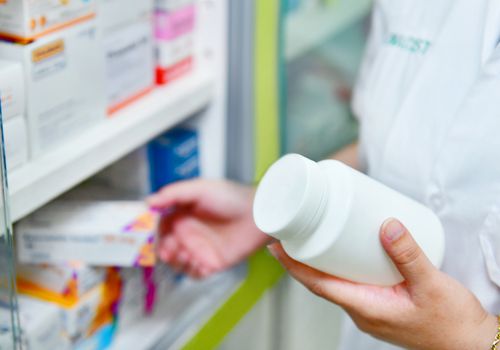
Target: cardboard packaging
(129, 64)
(41, 325)
(129, 50)
(171, 5)
(174, 156)
(84, 316)
(174, 33)
(64, 79)
(11, 89)
(88, 314)
(108, 233)
(16, 142)
(26, 20)
(63, 284)
(114, 14)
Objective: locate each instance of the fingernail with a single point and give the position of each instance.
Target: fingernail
(393, 230)
(156, 210)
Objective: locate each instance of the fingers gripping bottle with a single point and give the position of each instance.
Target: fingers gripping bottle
(328, 216)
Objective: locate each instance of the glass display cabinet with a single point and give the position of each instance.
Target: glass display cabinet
(9, 321)
(323, 42)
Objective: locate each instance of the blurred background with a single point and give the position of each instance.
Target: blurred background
(113, 99)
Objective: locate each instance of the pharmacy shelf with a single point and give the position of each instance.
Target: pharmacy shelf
(52, 174)
(187, 309)
(307, 29)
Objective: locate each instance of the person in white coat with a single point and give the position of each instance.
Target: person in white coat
(427, 103)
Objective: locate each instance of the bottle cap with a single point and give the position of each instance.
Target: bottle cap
(291, 198)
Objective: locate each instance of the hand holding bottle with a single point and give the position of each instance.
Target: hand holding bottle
(429, 311)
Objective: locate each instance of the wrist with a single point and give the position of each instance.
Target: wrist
(486, 333)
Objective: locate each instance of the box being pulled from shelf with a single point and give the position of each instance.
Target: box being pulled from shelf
(16, 142)
(61, 283)
(27, 20)
(129, 50)
(41, 325)
(64, 80)
(174, 33)
(12, 95)
(101, 233)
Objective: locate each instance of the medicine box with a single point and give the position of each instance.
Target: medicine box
(27, 20)
(11, 89)
(173, 156)
(64, 283)
(129, 50)
(92, 311)
(64, 79)
(172, 5)
(114, 14)
(107, 233)
(174, 33)
(41, 325)
(16, 142)
(83, 316)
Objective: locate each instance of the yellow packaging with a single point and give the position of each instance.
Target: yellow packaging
(63, 284)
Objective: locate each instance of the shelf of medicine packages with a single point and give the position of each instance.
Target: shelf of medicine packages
(188, 307)
(203, 313)
(307, 29)
(200, 314)
(52, 174)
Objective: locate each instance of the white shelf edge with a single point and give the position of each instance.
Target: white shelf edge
(52, 174)
(306, 30)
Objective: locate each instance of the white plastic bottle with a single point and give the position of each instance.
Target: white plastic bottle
(328, 216)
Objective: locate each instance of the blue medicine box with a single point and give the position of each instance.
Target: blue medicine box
(173, 156)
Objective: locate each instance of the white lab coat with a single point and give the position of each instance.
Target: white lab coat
(428, 99)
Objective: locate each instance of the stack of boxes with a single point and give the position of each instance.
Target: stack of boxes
(64, 80)
(42, 326)
(12, 109)
(63, 77)
(64, 67)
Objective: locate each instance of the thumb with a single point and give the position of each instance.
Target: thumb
(408, 257)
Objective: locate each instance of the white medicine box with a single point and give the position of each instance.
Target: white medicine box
(27, 20)
(64, 80)
(128, 47)
(11, 89)
(16, 142)
(114, 14)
